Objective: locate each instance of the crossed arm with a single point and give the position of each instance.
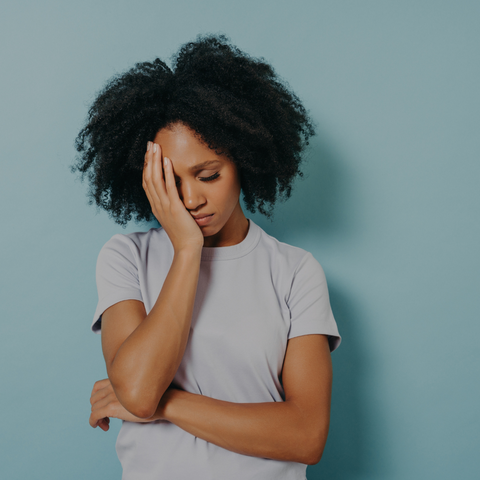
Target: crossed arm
(143, 352)
(294, 430)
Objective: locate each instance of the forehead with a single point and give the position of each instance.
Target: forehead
(184, 148)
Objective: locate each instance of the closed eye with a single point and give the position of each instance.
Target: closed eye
(204, 179)
(209, 179)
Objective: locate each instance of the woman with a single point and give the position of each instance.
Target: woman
(216, 336)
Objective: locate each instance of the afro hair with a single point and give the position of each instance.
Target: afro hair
(236, 104)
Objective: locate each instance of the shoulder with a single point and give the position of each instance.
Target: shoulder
(135, 238)
(288, 256)
(302, 285)
(134, 244)
(290, 266)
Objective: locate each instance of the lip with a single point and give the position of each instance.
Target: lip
(203, 219)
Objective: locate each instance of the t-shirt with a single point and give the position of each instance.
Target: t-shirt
(251, 299)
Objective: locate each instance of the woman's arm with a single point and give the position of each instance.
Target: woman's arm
(142, 361)
(295, 430)
(142, 352)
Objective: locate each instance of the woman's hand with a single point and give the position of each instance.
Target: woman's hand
(166, 204)
(105, 405)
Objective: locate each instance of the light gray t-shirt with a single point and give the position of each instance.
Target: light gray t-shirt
(251, 299)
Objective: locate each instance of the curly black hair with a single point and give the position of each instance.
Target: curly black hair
(236, 104)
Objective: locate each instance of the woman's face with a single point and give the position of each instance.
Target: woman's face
(207, 183)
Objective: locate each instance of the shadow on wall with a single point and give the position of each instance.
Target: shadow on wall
(323, 210)
(346, 454)
(317, 207)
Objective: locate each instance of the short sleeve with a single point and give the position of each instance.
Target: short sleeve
(116, 276)
(309, 303)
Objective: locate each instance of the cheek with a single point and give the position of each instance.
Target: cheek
(232, 191)
(226, 193)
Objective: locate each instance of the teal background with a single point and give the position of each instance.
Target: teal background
(389, 206)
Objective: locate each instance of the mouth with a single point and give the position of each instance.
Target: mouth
(203, 219)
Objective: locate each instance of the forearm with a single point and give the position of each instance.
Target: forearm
(146, 362)
(275, 430)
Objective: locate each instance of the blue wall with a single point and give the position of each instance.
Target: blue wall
(389, 206)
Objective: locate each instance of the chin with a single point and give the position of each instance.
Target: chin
(207, 232)
(210, 230)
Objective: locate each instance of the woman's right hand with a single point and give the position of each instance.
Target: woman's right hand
(168, 208)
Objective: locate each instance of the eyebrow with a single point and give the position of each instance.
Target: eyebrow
(199, 166)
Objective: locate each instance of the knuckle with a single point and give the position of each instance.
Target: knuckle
(98, 385)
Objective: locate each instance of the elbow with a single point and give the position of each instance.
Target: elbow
(313, 454)
(315, 446)
(314, 457)
(138, 402)
(141, 411)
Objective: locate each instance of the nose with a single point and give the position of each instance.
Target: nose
(191, 195)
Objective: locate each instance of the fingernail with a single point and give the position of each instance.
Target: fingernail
(149, 145)
(165, 161)
(154, 148)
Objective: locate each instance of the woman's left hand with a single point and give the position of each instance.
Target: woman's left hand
(105, 405)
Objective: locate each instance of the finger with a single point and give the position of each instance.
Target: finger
(151, 181)
(157, 174)
(146, 174)
(102, 393)
(147, 170)
(104, 408)
(171, 186)
(147, 193)
(100, 384)
(97, 417)
(104, 424)
(104, 402)
(94, 419)
(148, 156)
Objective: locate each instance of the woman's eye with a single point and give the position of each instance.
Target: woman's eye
(203, 179)
(209, 179)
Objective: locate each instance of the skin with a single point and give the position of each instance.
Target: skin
(219, 196)
(142, 358)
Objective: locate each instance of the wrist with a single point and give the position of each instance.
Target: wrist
(168, 403)
(189, 252)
